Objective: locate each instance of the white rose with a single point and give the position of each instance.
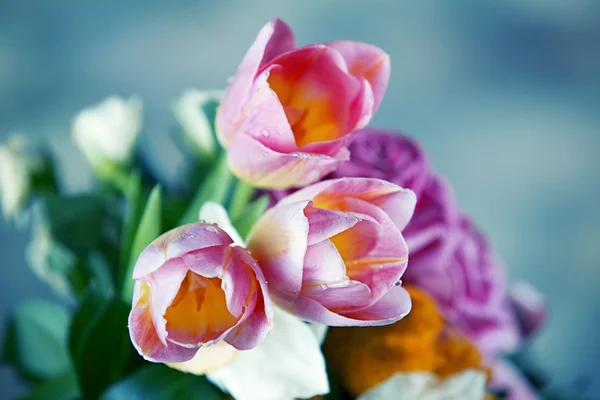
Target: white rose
(466, 385)
(106, 133)
(195, 113)
(18, 163)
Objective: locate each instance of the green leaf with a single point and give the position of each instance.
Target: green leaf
(36, 341)
(100, 345)
(148, 230)
(76, 221)
(133, 213)
(158, 382)
(62, 387)
(241, 197)
(101, 278)
(215, 188)
(251, 213)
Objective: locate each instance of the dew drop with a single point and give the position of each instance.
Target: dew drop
(397, 283)
(212, 229)
(264, 132)
(323, 286)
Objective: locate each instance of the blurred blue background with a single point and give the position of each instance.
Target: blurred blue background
(504, 95)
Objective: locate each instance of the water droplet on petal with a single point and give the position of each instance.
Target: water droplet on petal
(264, 132)
(397, 283)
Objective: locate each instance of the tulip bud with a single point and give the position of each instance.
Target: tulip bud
(194, 288)
(333, 252)
(195, 112)
(106, 134)
(289, 113)
(22, 169)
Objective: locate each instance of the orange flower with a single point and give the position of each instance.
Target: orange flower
(364, 357)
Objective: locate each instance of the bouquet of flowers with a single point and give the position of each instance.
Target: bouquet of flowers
(307, 254)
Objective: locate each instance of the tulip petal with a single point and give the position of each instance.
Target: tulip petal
(177, 242)
(278, 242)
(215, 213)
(275, 170)
(165, 283)
(322, 101)
(144, 336)
(395, 201)
(367, 61)
(257, 320)
(274, 38)
(393, 306)
(288, 364)
(396, 304)
(338, 297)
(208, 262)
(324, 224)
(207, 359)
(374, 252)
(323, 264)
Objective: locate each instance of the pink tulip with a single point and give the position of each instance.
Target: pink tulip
(289, 113)
(333, 252)
(194, 289)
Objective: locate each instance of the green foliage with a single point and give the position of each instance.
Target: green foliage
(158, 382)
(36, 341)
(250, 214)
(133, 212)
(148, 229)
(241, 197)
(215, 188)
(99, 343)
(62, 387)
(77, 221)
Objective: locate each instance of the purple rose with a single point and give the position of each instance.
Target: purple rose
(508, 379)
(529, 307)
(377, 153)
(452, 260)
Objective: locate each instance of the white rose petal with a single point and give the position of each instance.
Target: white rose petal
(287, 365)
(18, 162)
(467, 385)
(188, 110)
(108, 131)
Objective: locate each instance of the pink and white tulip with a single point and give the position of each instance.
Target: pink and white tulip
(194, 289)
(289, 113)
(333, 252)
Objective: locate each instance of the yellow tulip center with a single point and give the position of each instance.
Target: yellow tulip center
(199, 310)
(307, 105)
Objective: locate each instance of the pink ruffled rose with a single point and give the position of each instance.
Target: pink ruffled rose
(453, 261)
(333, 253)
(288, 115)
(530, 308)
(194, 289)
(387, 155)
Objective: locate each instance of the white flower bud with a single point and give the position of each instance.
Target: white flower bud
(195, 112)
(106, 133)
